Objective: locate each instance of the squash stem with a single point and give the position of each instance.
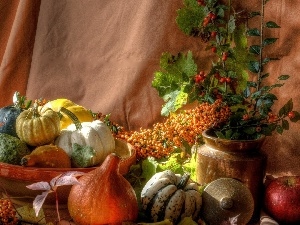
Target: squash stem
(72, 116)
(183, 181)
(35, 110)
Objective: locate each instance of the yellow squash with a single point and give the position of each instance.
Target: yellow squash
(83, 114)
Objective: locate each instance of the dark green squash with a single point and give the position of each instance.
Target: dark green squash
(9, 114)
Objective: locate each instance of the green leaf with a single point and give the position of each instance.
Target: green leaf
(251, 84)
(256, 94)
(220, 134)
(249, 130)
(265, 88)
(190, 17)
(247, 92)
(283, 77)
(285, 124)
(254, 66)
(253, 32)
(28, 214)
(270, 96)
(279, 129)
(235, 136)
(266, 1)
(286, 108)
(276, 85)
(231, 24)
(271, 24)
(83, 156)
(255, 49)
(253, 14)
(266, 60)
(173, 162)
(269, 41)
(240, 40)
(172, 81)
(149, 166)
(228, 134)
(265, 76)
(267, 130)
(174, 100)
(190, 166)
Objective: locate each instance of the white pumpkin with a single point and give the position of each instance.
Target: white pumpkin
(87, 142)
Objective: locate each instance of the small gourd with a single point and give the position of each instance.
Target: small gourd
(9, 114)
(83, 114)
(171, 196)
(47, 156)
(103, 196)
(38, 125)
(87, 143)
(12, 149)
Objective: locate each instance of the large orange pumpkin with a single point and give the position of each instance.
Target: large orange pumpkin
(103, 196)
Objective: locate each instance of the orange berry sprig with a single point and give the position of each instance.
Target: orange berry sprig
(7, 212)
(185, 126)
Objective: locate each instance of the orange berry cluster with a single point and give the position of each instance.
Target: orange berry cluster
(183, 127)
(7, 212)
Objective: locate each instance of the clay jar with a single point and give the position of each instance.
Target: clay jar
(238, 159)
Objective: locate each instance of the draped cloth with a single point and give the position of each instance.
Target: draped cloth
(103, 54)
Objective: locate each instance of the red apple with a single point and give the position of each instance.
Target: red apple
(282, 199)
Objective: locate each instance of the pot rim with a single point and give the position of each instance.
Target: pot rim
(231, 145)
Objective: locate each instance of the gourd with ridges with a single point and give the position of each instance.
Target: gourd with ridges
(87, 143)
(171, 196)
(12, 149)
(38, 125)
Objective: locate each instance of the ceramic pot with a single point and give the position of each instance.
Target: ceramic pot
(241, 160)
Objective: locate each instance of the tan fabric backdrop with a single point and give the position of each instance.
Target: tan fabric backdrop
(102, 54)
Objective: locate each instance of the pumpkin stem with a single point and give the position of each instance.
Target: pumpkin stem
(72, 116)
(35, 110)
(183, 181)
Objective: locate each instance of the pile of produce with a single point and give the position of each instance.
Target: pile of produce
(62, 134)
(160, 189)
(52, 134)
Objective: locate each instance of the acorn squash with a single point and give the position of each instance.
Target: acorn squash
(87, 143)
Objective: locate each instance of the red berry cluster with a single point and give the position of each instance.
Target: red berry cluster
(200, 77)
(7, 212)
(213, 34)
(214, 49)
(209, 18)
(224, 56)
(272, 117)
(222, 79)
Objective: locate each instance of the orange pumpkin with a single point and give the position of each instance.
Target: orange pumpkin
(103, 196)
